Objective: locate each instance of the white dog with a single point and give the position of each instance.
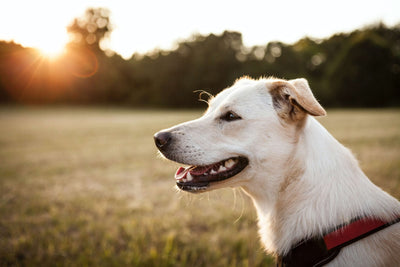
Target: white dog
(314, 203)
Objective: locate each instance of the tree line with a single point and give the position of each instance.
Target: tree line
(357, 69)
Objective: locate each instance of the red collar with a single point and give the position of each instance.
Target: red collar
(321, 250)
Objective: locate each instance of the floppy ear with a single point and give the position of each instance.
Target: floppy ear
(293, 99)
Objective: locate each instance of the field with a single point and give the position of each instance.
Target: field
(85, 187)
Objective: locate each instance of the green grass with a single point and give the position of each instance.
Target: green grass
(85, 187)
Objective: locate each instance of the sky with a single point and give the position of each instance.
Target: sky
(145, 25)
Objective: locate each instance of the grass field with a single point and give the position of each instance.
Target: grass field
(85, 187)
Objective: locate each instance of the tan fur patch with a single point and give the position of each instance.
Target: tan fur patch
(293, 103)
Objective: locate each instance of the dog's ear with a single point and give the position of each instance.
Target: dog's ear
(293, 99)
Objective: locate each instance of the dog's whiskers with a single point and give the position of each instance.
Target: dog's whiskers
(242, 201)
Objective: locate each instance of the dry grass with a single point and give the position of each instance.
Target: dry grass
(84, 187)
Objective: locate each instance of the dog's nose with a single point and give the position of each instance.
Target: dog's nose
(162, 139)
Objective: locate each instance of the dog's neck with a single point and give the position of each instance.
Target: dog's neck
(322, 188)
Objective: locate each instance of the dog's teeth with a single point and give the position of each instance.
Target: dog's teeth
(189, 177)
(221, 168)
(184, 180)
(229, 163)
(213, 172)
(205, 174)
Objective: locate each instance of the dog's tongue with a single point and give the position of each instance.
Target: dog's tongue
(182, 173)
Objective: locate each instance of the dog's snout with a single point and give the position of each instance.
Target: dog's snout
(162, 139)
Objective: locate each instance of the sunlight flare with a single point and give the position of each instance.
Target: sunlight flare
(52, 48)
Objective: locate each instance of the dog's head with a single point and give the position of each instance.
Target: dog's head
(248, 131)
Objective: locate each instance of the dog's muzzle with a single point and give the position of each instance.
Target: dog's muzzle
(197, 178)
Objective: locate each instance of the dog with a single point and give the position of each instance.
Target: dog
(315, 205)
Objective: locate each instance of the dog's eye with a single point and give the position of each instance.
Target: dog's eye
(230, 116)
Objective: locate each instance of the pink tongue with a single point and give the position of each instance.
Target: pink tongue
(181, 173)
(200, 170)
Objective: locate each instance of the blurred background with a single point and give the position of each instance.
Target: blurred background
(85, 84)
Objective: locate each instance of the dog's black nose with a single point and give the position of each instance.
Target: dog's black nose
(162, 139)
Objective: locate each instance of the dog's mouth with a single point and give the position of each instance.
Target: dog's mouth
(198, 178)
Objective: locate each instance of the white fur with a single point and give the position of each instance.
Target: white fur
(301, 179)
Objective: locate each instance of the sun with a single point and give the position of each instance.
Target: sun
(52, 44)
(52, 49)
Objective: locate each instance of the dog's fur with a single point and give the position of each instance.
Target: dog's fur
(301, 179)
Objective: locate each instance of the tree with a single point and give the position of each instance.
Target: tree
(362, 75)
(96, 75)
(91, 29)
